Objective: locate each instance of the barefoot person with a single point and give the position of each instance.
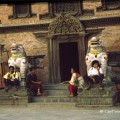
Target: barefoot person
(33, 83)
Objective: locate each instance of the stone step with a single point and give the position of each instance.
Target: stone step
(78, 101)
(96, 97)
(64, 91)
(96, 101)
(92, 97)
(96, 91)
(67, 105)
(56, 92)
(56, 95)
(13, 97)
(64, 86)
(13, 100)
(54, 99)
(59, 86)
(48, 104)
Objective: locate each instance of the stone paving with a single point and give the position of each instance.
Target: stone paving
(58, 113)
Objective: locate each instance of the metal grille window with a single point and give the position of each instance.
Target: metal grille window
(110, 4)
(66, 7)
(114, 58)
(22, 11)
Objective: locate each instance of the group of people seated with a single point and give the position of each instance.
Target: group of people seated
(95, 76)
(13, 79)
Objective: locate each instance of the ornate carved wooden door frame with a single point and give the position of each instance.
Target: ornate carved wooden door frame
(64, 28)
(54, 60)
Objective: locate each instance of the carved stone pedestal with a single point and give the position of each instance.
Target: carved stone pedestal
(96, 97)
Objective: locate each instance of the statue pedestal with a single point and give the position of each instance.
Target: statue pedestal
(96, 97)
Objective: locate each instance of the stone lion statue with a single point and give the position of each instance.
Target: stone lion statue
(18, 59)
(96, 51)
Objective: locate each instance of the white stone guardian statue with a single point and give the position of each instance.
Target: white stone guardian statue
(18, 59)
(96, 51)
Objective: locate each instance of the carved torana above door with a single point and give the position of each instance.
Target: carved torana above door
(65, 24)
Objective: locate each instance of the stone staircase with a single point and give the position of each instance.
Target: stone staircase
(13, 97)
(96, 97)
(57, 95)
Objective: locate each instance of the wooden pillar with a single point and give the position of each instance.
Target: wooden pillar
(50, 55)
(82, 66)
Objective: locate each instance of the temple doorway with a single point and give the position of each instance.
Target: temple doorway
(68, 55)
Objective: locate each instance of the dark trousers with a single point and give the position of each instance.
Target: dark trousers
(11, 83)
(34, 88)
(98, 79)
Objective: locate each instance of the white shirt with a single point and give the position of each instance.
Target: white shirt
(73, 78)
(93, 71)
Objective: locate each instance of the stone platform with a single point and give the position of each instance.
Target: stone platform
(13, 97)
(57, 95)
(96, 97)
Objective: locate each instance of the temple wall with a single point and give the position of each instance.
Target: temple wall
(39, 46)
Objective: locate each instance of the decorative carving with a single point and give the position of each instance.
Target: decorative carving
(65, 24)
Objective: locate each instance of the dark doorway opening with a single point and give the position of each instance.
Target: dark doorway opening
(68, 53)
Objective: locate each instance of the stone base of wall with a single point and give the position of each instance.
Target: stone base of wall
(96, 97)
(13, 97)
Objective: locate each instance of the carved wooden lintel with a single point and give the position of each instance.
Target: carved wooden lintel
(65, 24)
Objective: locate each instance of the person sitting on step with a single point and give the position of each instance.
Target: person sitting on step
(11, 78)
(33, 84)
(95, 75)
(75, 82)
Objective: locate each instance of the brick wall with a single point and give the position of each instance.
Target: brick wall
(34, 46)
(37, 8)
(111, 38)
(94, 5)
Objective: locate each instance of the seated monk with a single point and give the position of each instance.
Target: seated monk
(33, 83)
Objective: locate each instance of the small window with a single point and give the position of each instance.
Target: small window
(113, 4)
(66, 7)
(113, 58)
(21, 11)
(109, 5)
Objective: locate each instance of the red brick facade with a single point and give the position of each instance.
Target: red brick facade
(39, 45)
